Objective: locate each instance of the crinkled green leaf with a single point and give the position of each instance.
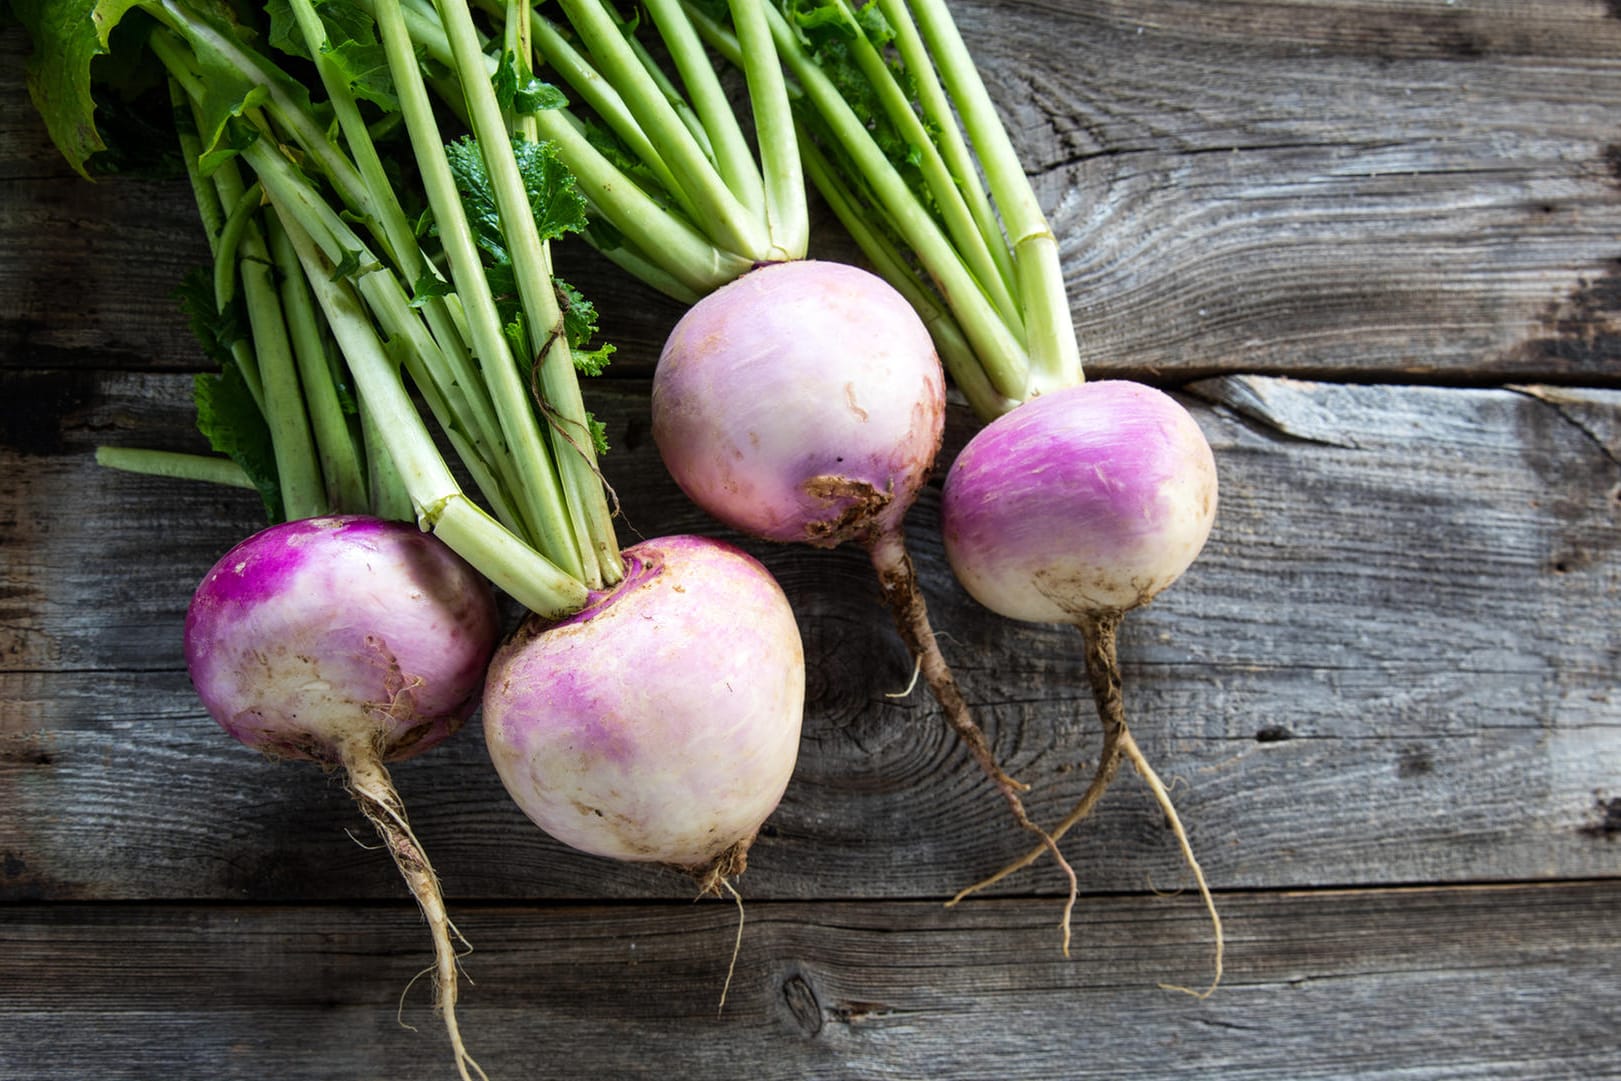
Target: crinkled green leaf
(427, 287)
(519, 90)
(236, 137)
(555, 202)
(592, 361)
(478, 198)
(352, 46)
(67, 36)
(555, 205)
(828, 29)
(349, 266)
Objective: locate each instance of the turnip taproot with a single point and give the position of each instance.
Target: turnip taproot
(350, 642)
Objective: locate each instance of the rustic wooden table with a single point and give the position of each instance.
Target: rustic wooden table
(1375, 246)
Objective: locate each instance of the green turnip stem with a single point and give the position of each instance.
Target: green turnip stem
(898, 579)
(386, 492)
(687, 262)
(596, 547)
(535, 488)
(418, 464)
(303, 494)
(787, 215)
(597, 92)
(180, 466)
(943, 120)
(438, 374)
(438, 503)
(538, 490)
(373, 790)
(209, 209)
(1054, 354)
(339, 458)
(728, 149)
(311, 136)
(398, 231)
(961, 227)
(229, 190)
(725, 216)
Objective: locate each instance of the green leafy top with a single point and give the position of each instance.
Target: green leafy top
(352, 46)
(68, 35)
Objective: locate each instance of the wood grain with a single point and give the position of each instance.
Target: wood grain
(1431, 985)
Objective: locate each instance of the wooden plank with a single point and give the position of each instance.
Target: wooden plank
(1414, 190)
(1314, 188)
(1496, 983)
(1395, 663)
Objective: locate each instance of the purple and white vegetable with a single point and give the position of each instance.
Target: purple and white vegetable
(805, 402)
(1077, 507)
(351, 642)
(661, 723)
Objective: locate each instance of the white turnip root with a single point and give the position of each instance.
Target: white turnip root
(349, 641)
(1077, 507)
(805, 402)
(661, 723)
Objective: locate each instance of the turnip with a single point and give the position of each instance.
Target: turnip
(350, 642)
(1078, 507)
(661, 723)
(804, 403)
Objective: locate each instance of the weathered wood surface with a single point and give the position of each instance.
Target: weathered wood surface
(1495, 983)
(1374, 246)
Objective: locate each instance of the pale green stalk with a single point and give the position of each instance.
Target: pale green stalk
(948, 134)
(442, 316)
(438, 502)
(1054, 353)
(786, 213)
(545, 507)
(341, 467)
(574, 457)
(175, 465)
(227, 245)
(722, 214)
(443, 385)
(302, 492)
(728, 149)
(959, 223)
(310, 136)
(242, 257)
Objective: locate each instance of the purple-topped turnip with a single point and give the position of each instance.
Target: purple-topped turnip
(351, 642)
(661, 723)
(1077, 507)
